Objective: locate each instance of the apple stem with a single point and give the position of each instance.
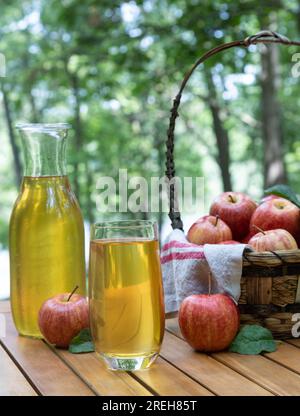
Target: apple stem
(209, 283)
(217, 219)
(259, 229)
(231, 198)
(72, 293)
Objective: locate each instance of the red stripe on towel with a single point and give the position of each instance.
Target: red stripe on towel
(182, 256)
(177, 244)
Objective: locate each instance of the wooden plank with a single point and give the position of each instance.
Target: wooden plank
(212, 374)
(45, 369)
(257, 368)
(264, 372)
(286, 355)
(4, 306)
(167, 380)
(12, 381)
(173, 326)
(294, 341)
(94, 373)
(162, 378)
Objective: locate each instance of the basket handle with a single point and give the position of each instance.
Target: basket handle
(264, 36)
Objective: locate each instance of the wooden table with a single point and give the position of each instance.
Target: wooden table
(30, 367)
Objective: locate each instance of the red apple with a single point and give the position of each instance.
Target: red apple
(269, 198)
(229, 242)
(273, 240)
(277, 213)
(209, 230)
(236, 209)
(209, 322)
(247, 237)
(62, 317)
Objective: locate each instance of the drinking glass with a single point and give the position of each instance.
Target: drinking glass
(125, 293)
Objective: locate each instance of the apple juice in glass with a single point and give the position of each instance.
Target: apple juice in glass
(46, 235)
(126, 294)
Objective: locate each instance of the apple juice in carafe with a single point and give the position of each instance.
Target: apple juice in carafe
(46, 235)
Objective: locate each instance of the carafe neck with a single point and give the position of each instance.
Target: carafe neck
(44, 148)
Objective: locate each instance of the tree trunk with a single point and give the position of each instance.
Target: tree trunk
(77, 128)
(12, 137)
(89, 184)
(35, 114)
(35, 118)
(222, 139)
(274, 167)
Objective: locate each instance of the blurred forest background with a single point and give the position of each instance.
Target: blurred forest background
(112, 68)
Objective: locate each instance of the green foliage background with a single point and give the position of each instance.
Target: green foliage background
(112, 68)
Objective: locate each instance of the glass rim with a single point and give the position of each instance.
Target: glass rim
(124, 224)
(43, 126)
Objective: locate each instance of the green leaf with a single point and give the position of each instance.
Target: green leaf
(285, 192)
(252, 340)
(82, 342)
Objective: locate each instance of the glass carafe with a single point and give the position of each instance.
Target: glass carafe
(46, 236)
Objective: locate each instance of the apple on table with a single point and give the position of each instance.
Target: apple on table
(62, 317)
(209, 322)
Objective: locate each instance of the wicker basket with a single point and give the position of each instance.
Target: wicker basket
(270, 285)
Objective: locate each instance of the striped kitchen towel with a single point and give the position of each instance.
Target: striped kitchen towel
(190, 269)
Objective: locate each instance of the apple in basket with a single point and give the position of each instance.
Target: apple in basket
(277, 213)
(246, 239)
(62, 317)
(209, 230)
(273, 240)
(269, 198)
(235, 209)
(228, 242)
(209, 322)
